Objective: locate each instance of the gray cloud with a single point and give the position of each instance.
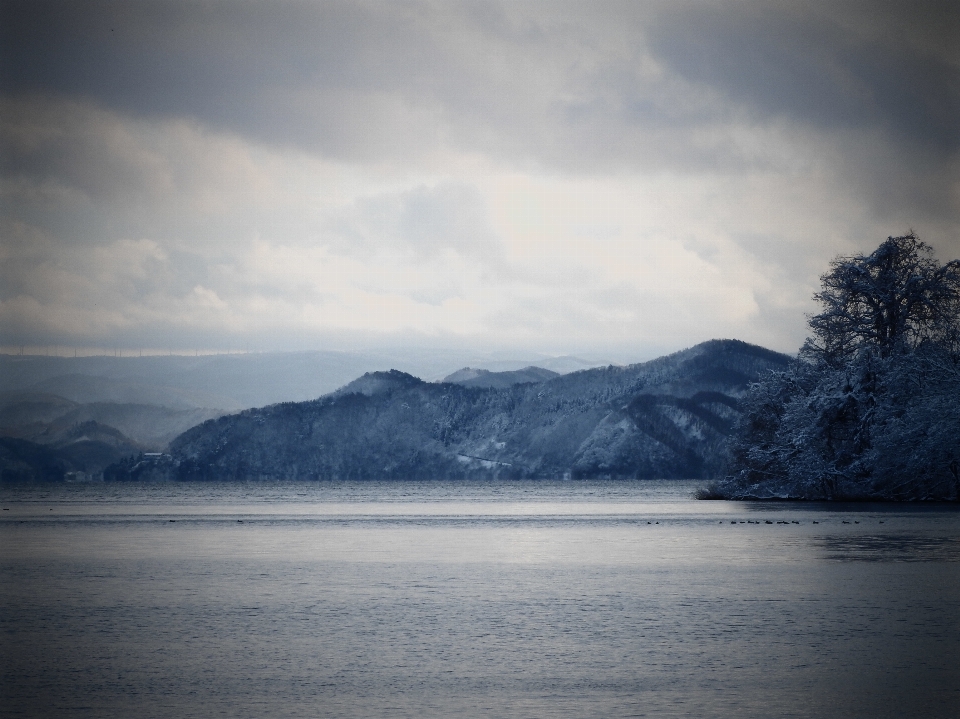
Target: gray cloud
(210, 147)
(605, 87)
(258, 67)
(862, 65)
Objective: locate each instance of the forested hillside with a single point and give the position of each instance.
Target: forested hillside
(666, 418)
(71, 417)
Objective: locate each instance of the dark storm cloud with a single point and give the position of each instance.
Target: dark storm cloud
(862, 66)
(287, 72)
(290, 71)
(208, 60)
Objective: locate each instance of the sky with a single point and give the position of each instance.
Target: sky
(609, 179)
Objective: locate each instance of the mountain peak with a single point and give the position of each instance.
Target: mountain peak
(465, 374)
(469, 377)
(374, 383)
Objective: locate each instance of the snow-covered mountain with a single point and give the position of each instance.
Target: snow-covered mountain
(669, 417)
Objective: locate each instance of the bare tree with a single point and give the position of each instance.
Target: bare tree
(892, 299)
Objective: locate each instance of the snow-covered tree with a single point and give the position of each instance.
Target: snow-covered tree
(890, 300)
(871, 409)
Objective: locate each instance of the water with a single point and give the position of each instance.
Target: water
(513, 599)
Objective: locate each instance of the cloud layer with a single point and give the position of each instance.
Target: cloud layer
(608, 177)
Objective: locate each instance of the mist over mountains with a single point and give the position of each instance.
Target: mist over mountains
(232, 382)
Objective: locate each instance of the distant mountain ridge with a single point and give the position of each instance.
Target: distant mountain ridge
(150, 400)
(669, 417)
(80, 452)
(232, 382)
(45, 437)
(37, 417)
(469, 377)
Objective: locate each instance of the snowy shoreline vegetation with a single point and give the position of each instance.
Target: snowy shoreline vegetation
(870, 410)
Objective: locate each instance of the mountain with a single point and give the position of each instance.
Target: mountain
(45, 437)
(85, 389)
(149, 425)
(26, 409)
(80, 451)
(38, 416)
(150, 400)
(91, 446)
(469, 377)
(669, 417)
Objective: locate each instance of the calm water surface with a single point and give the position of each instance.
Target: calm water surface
(435, 599)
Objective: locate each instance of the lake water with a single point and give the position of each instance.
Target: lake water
(434, 599)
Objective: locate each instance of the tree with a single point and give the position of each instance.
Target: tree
(891, 300)
(869, 410)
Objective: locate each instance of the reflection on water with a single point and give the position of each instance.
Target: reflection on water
(891, 548)
(514, 599)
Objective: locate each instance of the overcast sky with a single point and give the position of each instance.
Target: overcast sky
(603, 178)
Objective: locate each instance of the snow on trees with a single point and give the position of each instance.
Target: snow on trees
(891, 300)
(870, 410)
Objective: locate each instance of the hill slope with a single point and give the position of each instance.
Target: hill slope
(665, 418)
